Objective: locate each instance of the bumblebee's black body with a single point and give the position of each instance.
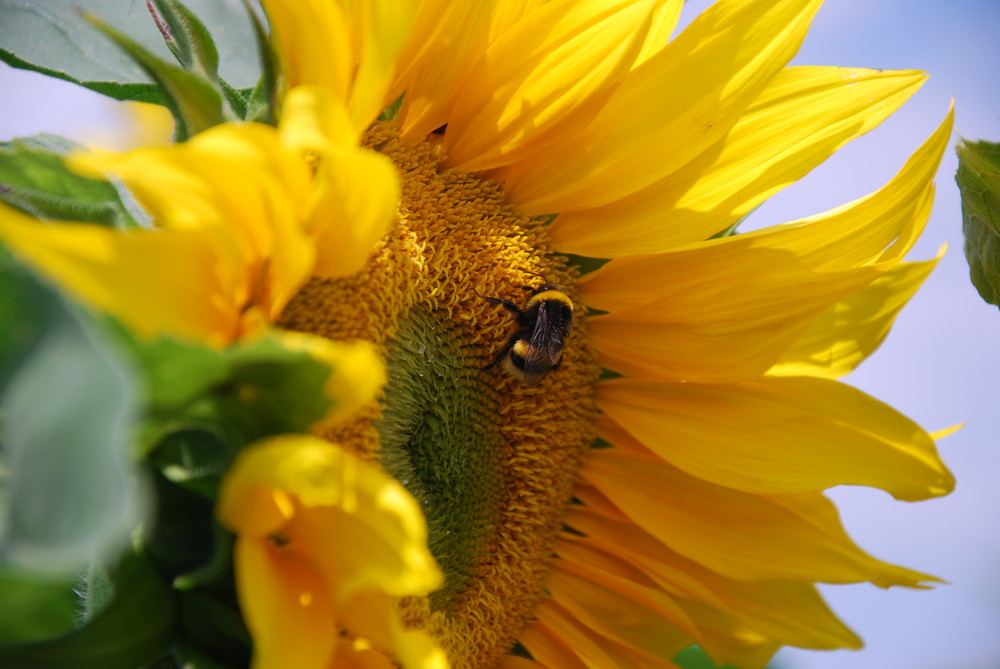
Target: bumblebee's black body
(537, 347)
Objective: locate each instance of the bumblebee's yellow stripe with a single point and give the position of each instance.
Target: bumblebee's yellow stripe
(554, 295)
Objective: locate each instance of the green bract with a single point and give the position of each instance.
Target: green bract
(978, 178)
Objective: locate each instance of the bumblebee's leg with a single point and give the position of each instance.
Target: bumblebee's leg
(507, 304)
(502, 354)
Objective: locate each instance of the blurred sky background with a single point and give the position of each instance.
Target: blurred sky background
(940, 365)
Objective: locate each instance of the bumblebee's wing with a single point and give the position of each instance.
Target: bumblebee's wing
(546, 340)
(536, 365)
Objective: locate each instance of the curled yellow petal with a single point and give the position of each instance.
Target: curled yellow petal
(321, 536)
(355, 203)
(286, 608)
(238, 187)
(355, 191)
(313, 120)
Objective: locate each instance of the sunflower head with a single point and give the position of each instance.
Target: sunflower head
(607, 419)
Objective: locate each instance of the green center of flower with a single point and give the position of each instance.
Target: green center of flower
(491, 460)
(435, 441)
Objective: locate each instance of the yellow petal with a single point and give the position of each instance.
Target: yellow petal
(547, 649)
(665, 17)
(724, 311)
(285, 606)
(347, 48)
(385, 526)
(802, 117)
(728, 309)
(356, 654)
(739, 535)
(620, 602)
(595, 651)
(890, 218)
(633, 614)
(381, 28)
(131, 275)
(356, 200)
(507, 13)
(387, 552)
(672, 107)
(516, 98)
(312, 120)
(373, 616)
(239, 188)
(778, 435)
(352, 530)
(838, 338)
(314, 43)
(146, 124)
(446, 41)
(355, 191)
(518, 662)
(878, 228)
(785, 611)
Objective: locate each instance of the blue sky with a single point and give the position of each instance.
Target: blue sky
(939, 366)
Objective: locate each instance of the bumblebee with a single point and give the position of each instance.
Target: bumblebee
(537, 347)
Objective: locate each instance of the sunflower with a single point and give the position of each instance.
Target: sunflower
(663, 484)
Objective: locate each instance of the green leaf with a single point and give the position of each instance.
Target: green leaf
(192, 45)
(213, 628)
(196, 103)
(280, 388)
(183, 538)
(35, 179)
(978, 180)
(53, 38)
(27, 310)
(204, 405)
(187, 38)
(68, 412)
(392, 111)
(136, 627)
(33, 608)
(260, 105)
(192, 457)
(693, 657)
